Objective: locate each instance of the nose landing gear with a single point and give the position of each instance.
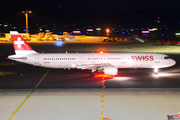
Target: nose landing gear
(156, 71)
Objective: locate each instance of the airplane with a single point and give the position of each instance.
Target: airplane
(108, 63)
(136, 38)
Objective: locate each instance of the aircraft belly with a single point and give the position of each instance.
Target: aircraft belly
(66, 64)
(135, 64)
(27, 61)
(57, 64)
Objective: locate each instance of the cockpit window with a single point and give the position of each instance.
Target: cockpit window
(167, 57)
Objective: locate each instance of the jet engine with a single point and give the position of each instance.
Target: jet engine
(110, 70)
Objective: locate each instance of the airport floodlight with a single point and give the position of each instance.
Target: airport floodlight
(90, 30)
(150, 30)
(98, 28)
(107, 30)
(26, 15)
(155, 29)
(145, 32)
(177, 33)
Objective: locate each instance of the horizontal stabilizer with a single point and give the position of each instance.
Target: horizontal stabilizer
(16, 57)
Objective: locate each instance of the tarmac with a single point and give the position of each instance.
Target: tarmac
(90, 104)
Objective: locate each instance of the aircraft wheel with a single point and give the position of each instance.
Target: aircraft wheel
(156, 73)
(91, 74)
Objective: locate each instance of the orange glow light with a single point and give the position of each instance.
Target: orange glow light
(107, 30)
(101, 52)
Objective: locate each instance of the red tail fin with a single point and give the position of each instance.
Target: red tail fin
(20, 45)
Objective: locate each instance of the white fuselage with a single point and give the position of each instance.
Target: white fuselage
(119, 60)
(108, 63)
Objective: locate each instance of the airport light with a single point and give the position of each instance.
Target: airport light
(77, 32)
(101, 52)
(107, 30)
(150, 30)
(90, 30)
(145, 32)
(155, 29)
(26, 15)
(177, 33)
(98, 28)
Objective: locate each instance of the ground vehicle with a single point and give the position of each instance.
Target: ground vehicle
(168, 42)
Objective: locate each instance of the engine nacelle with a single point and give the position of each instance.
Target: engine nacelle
(110, 70)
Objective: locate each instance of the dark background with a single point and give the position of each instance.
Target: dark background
(56, 5)
(60, 16)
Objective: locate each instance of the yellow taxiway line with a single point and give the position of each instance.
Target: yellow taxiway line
(28, 96)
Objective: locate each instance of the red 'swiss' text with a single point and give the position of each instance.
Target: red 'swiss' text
(142, 58)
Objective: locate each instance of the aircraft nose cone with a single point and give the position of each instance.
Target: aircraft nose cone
(172, 62)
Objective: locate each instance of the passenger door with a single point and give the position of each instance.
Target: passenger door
(36, 60)
(157, 59)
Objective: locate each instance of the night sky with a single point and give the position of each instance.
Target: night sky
(68, 15)
(56, 5)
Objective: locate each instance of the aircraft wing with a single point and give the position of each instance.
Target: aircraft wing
(93, 66)
(104, 67)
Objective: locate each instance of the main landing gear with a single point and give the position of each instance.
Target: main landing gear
(91, 74)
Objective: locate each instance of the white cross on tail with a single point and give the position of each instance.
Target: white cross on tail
(19, 42)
